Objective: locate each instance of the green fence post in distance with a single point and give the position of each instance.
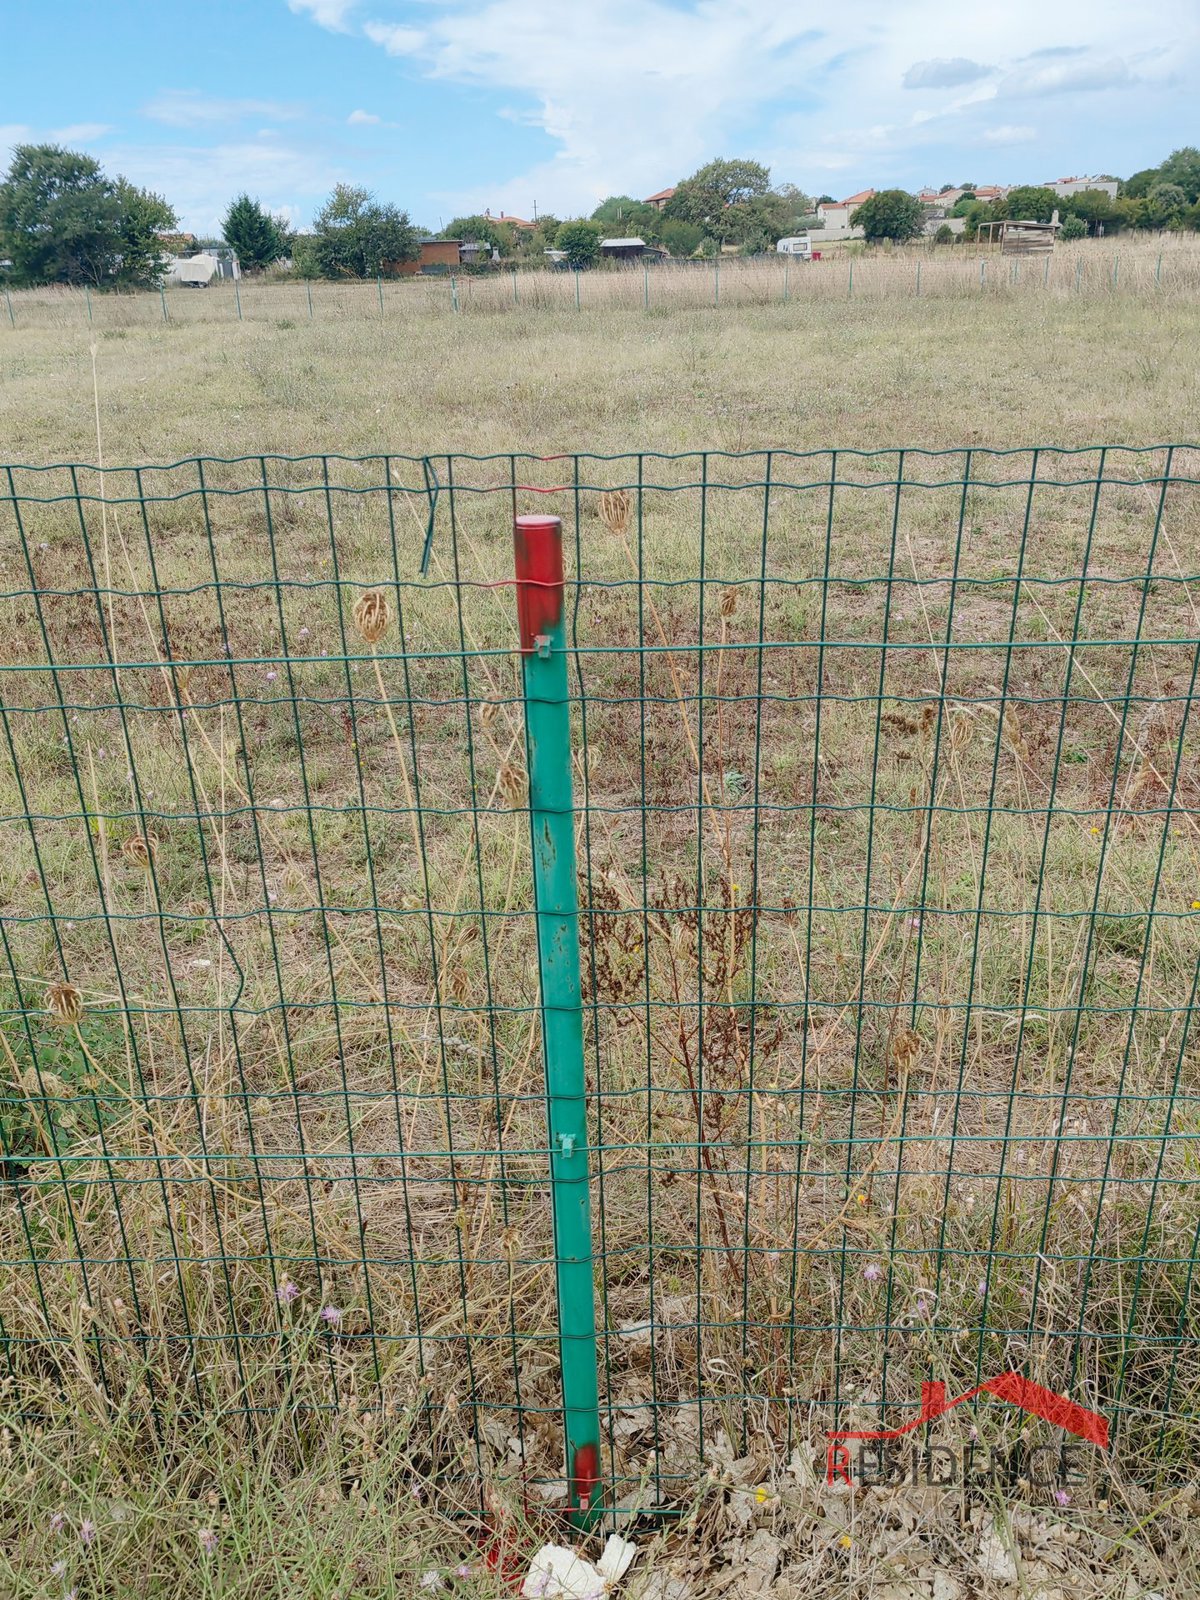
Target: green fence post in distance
(982, 273)
(516, 296)
(645, 286)
(918, 277)
(717, 281)
(237, 295)
(1046, 273)
(577, 288)
(1158, 268)
(162, 295)
(786, 264)
(308, 286)
(8, 303)
(850, 283)
(453, 293)
(538, 548)
(87, 295)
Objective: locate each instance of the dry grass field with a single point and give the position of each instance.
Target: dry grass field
(889, 953)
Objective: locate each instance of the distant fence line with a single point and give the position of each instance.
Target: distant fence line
(1173, 269)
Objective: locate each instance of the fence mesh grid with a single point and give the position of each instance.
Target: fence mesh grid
(886, 814)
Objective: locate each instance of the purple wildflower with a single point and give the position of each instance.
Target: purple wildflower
(87, 1530)
(271, 676)
(208, 1540)
(1062, 1497)
(872, 1272)
(287, 1292)
(463, 1569)
(56, 1521)
(331, 1315)
(57, 1570)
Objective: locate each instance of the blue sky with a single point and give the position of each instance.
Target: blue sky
(453, 105)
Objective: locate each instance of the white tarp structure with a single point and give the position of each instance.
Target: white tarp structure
(198, 271)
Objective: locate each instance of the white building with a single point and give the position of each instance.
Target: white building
(836, 216)
(1066, 186)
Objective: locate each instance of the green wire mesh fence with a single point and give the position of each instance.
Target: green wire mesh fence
(886, 805)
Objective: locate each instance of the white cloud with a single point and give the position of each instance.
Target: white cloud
(200, 189)
(331, 14)
(1009, 133)
(189, 108)
(943, 74)
(363, 119)
(396, 39)
(80, 132)
(633, 94)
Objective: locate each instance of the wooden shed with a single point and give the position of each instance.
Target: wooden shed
(445, 253)
(1023, 238)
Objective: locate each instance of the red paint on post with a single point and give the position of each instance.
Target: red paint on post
(585, 1475)
(538, 549)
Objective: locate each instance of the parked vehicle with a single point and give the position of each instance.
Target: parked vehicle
(798, 245)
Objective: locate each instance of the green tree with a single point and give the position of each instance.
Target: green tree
(145, 217)
(483, 230)
(356, 236)
(1031, 203)
(254, 235)
(681, 238)
(1094, 207)
(62, 220)
(1073, 228)
(1164, 202)
(580, 242)
(891, 214)
(704, 198)
(621, 214)
(944, 235)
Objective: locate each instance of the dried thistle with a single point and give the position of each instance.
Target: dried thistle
(488, 712)
(1010, 732)
(140, 850)
(960, 731)
(906, 1048)
(790, 914)
(457, 985)
(64, 1003)
(615, 506)
(729, 600)
(511, 783)
(372, 615)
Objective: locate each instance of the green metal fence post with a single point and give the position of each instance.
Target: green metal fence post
(1158, 268)
(379, 286)
(982, 273)
(577, 288)
(308, 286)
(516, 296)
(717, 282)
(645, 286)
(786, 265)
(453, 293)
(237, 295)
(1079, 273)
(8, 303)
(918, 278)
(850, 284)
(87, 295)
(162, 295)
(538, 548)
